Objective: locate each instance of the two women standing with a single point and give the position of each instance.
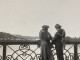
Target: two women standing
(45, 37)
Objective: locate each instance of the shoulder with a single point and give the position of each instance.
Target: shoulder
(61, 30)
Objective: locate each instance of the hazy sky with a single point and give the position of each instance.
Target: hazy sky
(26, 17)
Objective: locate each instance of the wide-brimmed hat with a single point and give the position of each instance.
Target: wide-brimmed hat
(58, 26)
(45, 26)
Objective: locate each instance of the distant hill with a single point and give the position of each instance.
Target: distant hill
(75, 39)
(8, 36)
(27, 37)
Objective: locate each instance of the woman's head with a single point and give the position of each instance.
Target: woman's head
(45, 27)
(57, 26)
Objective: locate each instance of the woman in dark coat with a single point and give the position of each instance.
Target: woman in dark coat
(60, 34)
(45, 37)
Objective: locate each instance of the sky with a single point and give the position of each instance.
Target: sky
(26, 17)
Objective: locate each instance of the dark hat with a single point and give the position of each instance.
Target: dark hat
(45, 26)
(58, 26)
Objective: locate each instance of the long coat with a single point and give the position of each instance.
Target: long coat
(46, 53)
(58, 43)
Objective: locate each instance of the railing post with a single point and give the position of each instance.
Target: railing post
(75, 52)
(4, 52)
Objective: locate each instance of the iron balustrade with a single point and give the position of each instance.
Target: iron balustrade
(24, 51)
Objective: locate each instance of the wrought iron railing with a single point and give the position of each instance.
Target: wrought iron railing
(28, 50)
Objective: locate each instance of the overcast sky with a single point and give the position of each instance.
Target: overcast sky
(25, 17)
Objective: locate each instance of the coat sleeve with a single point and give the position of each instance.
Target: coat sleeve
(49, 36)
(55, 36)
(59, 34)
(42, 35)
